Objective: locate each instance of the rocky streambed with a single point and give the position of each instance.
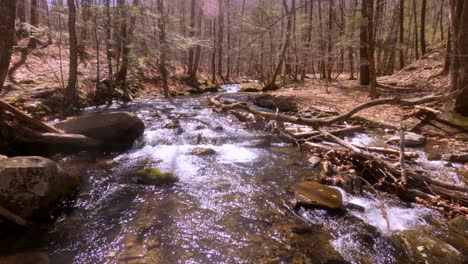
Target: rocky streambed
(198, 187)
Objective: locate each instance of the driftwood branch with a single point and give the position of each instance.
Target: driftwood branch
(26, 118)
(18, 220)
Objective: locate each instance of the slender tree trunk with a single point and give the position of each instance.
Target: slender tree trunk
(162, 39)
(7, 36)
(423, 27)
(364, 71)
(282, 56)
(85, 17)
(109, 47)
(402, 33)
(33, 12)
(416, 39)
(71, 93)
(220, 40)
(228, 59)
(372, 72)
(21, 10)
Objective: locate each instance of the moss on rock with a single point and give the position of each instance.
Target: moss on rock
(153, 176)
(251, 87)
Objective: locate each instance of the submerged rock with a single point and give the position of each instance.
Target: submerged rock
(411, 140)
(458, 233)
(3, 157)
(312, 194)
(424, 248)
(35, 257)
(202, 152)
(33, 186)
(282, 103)
(120, 128)
(153, 176)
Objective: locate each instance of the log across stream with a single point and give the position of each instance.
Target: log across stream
(228, 207)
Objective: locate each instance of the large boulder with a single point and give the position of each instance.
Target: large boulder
(411, 140)
(117, 128)
(282, 103)
(424, 248)
(312, 194)
(153, 176)
(32, 186)
(458, 233)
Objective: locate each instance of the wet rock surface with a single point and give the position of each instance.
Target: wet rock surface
(120, 128)
(424, 248)
(33, 186)
(312, 194)
(282, 103)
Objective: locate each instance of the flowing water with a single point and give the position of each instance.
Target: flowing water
(231, 207)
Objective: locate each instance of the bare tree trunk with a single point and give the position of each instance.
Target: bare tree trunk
(71, 93)
(228, 61)
(85, 17)
(109, 47)
(7, 36)
(402, 33)
(423, 27)
(416, 39)
(220, 42)
(21, 10)
(272, 83)
(459, 64)
(364, 71)
(162, 39)
(33, 13)
(373, 76)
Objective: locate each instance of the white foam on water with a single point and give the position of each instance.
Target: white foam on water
(399, 217)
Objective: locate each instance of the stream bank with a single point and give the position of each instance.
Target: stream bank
(228, 207)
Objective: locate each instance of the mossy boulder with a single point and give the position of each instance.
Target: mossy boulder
(153, 176)
(251, 88)
(424, 248)
(311, 194)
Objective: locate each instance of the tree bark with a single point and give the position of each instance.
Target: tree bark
(7, 36)
(162, 39)
(459, 63)
(423, 27)
(402, 33)
(71, 93)
(364, 70)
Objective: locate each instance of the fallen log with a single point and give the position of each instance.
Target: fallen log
(316, 122)
(341, 131)
(384, 150)
(27, 119)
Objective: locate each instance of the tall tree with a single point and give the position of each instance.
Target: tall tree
(33, 12)
(459, 65)
(423, 26)
(371, 46)
(7, 36)
(71, 93)
(162, 39)
(402, 33)
(364, 71)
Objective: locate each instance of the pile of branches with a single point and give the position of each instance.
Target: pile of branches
(372, 167)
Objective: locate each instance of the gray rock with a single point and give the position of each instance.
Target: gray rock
(314, 161)
(32, 186)
(121, 128)
(411, 140)
(282, 103)
(203, 152)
